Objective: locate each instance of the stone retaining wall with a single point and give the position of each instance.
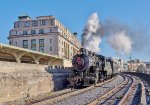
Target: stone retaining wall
(60, 76)
(21, 67)
(145, 77)
(26, 80)
(19, 85)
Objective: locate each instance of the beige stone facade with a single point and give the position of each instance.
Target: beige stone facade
(45, 34)
(134, 64)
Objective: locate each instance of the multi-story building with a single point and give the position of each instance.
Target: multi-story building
(45, 34)
(134, 64)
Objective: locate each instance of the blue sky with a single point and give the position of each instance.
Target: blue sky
(74, 14)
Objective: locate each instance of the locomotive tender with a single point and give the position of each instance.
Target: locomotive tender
(90, 68)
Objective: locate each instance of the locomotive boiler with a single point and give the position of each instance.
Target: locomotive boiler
(90, 68)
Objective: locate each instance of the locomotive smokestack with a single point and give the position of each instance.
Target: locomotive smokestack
(83, 39)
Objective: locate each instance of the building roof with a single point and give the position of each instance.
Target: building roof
(23, 16)
(45, 17)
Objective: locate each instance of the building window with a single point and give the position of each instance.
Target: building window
(55, 28)
(20, 24)
(27, 24)
(10, 43)
(50, 30)
(25, 32)
(50, 48)
(16, 32)
(25, 43)
(59, 30)
(41, 31)
(50, 40)
(34, 23)
(52, 22)
(41, 45)
(33, 32)
(62, 50)
(16, 25)
(42, 22)
(33, 44)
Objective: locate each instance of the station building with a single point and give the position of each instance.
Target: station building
(44, 34)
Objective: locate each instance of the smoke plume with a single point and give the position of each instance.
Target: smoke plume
(124, 38)
(118, 36)
(120, 42)
(121, 37)
(91, 37)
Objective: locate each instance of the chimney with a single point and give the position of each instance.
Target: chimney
(24, 17)
(75, 34)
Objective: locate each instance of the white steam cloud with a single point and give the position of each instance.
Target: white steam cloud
(122, 38)
(91, 38)
(120, 42)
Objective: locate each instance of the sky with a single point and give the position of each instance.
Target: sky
(74, 14)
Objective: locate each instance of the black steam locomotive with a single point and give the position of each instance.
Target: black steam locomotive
(91, 68)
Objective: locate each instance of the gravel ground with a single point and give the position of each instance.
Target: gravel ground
(114, 100)
(131, 98)
(137, 96)
(147, 86)
(84, 98)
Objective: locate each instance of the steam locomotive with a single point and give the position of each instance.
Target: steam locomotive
(90, 68)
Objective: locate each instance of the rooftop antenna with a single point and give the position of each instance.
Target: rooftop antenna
(130, 57)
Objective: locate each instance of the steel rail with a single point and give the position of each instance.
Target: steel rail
(109, 93)
(54, 100)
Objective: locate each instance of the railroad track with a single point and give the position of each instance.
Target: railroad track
(105, 98)
(65, 97)
(121, 95)
(136, 94)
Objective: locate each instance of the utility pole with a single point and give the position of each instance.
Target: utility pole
(130, 59)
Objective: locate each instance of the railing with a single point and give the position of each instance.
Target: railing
(59, 69)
